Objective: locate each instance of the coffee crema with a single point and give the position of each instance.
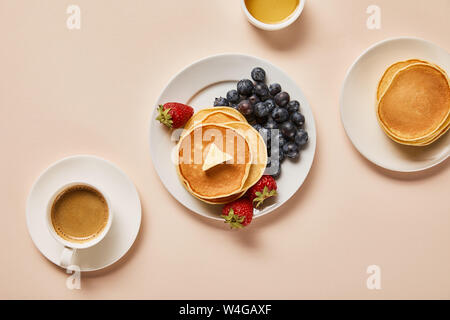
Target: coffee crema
(79, 214)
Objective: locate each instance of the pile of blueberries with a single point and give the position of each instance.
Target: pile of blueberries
(268, 108)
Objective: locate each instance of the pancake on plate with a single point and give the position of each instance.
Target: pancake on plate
(258, 150)
(213, 161)
(390, 73)
(214, 115)
(223, 200)
(414, 106)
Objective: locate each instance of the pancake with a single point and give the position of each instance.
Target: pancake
(390, 73)
(221, 200)
(428, 140)
(224, 200)
(259, 156)
(258, 150)
(223, 179)
(214, 115)
(415, 107)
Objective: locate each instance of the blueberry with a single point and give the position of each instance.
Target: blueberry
(262, 120)
(301, 137)
(271, 124)
(288, 130)
(242, 97)
(274, 89)
(298, 119)
(233, 96)
(221, 102)
(282, 99)
(293, 106)
(234, 106)
(261, 110)
(265, 98)
(257, 126)
(270, 105)
(250, 118)
(245, 87)
(280, 114)
(253, 99)
(245, 107)
(281, 140)
(261, 89)
(291, 150)
(258, 74)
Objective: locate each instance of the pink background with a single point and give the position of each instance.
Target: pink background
(91, 92)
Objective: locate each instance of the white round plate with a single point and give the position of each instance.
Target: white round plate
(198, 85)
(124, 201)
(358, 98)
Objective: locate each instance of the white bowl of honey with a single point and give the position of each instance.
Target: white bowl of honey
(272, 14)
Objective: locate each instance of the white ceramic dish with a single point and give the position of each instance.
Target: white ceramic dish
(124, 200)
(198, 85)
(358, 98)
(277, 26)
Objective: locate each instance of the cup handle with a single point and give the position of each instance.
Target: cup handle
(66, 257)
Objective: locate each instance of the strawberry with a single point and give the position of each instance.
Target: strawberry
(265, 188)
(174, 114)
(238, 213)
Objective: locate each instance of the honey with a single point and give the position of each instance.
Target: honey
(271, 11)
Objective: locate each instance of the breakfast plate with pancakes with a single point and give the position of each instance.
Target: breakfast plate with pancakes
(204, 186)
(395, 104)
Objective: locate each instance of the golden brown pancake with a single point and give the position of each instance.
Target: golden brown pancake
(259, 156)
(258, 149)
(222, 180)
(428, 140)
(416, 104)
(390, 73)
(223, 199)
(214, 115)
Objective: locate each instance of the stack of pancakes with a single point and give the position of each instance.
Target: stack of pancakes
(413, 102)
(219, 155)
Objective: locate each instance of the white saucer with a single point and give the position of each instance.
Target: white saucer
(358, 106)
(197, 85)
(125, 203)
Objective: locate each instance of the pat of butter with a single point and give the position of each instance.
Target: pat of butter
(214, 157)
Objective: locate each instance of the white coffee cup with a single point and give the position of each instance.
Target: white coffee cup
(275, 26)
(71, 247)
